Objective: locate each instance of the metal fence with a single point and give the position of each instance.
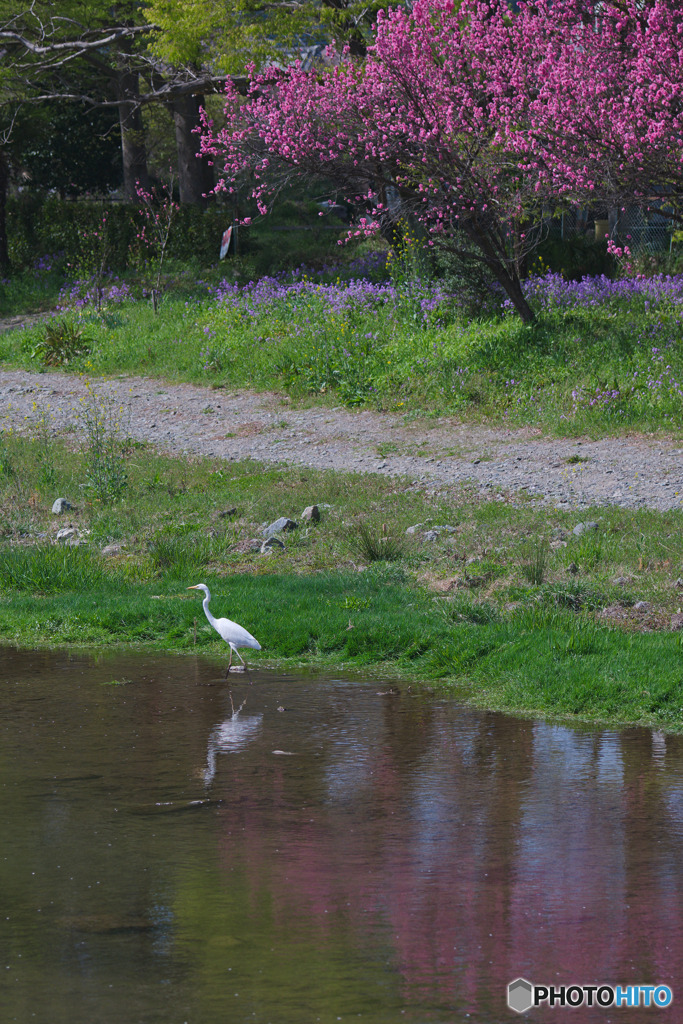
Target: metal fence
(642, 231)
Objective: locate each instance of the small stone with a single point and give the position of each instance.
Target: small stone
(311, 514)
(272, 544)
(112, 549)
(581, 528)
(413, 529)
(431, 535)
(679, 584)
(61, 505)
(279, 526)
(67, 534)
(642, 606)
(620, 581)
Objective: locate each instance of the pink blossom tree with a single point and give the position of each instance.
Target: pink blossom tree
(157, 212)
(479, 119)
(419, 116)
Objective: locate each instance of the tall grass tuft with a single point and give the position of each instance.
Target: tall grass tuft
(180, 556)
(374, 547)
(534, 561)
(50, 569)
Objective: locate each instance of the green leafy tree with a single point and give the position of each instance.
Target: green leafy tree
(48, 47)
(228, 35)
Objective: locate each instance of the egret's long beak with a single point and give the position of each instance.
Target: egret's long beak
(193, 588)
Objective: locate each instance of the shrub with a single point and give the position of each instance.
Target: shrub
(37, 225)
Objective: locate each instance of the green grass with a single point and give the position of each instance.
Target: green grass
(560, 374)
(30, 291)
(535, 661)
(509, 610)
(463, 611)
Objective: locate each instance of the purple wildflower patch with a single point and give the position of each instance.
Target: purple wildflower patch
(553, 291)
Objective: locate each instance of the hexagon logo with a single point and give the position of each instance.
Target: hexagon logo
(520, 995)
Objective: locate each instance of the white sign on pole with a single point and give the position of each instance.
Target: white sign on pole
(225, 242)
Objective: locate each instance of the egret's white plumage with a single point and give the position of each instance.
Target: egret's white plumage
(233, 634)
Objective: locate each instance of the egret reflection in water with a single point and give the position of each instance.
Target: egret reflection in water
(230, 736)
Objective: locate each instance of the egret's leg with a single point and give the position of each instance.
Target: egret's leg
(244, 664)
(229, 663)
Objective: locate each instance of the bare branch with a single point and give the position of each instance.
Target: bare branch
(166, 91)
(80, 45)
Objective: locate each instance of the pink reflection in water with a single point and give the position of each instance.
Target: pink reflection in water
(468, 850)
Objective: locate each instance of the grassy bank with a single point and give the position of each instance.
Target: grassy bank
(508, 606)
(604, 356)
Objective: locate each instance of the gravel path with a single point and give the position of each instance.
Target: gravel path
(182, 418)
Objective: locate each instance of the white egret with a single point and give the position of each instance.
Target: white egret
(233, 634)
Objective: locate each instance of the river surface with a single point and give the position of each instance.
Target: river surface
(317, 849)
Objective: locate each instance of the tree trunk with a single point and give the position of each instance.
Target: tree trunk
(513, 288)
(502, 269)
(195, 175)
(4, 184)
(133, 150)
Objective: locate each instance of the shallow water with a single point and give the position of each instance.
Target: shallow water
(332, 851)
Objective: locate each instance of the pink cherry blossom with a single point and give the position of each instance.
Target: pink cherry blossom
(476, 122)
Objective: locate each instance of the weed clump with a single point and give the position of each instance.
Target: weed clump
(534, 561)
(6, 461)
(62, 342)
(106, 452)
(374, 547)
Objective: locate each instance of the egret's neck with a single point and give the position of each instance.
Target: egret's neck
(205, 604)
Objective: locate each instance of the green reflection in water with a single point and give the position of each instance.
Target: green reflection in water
(254, 955)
